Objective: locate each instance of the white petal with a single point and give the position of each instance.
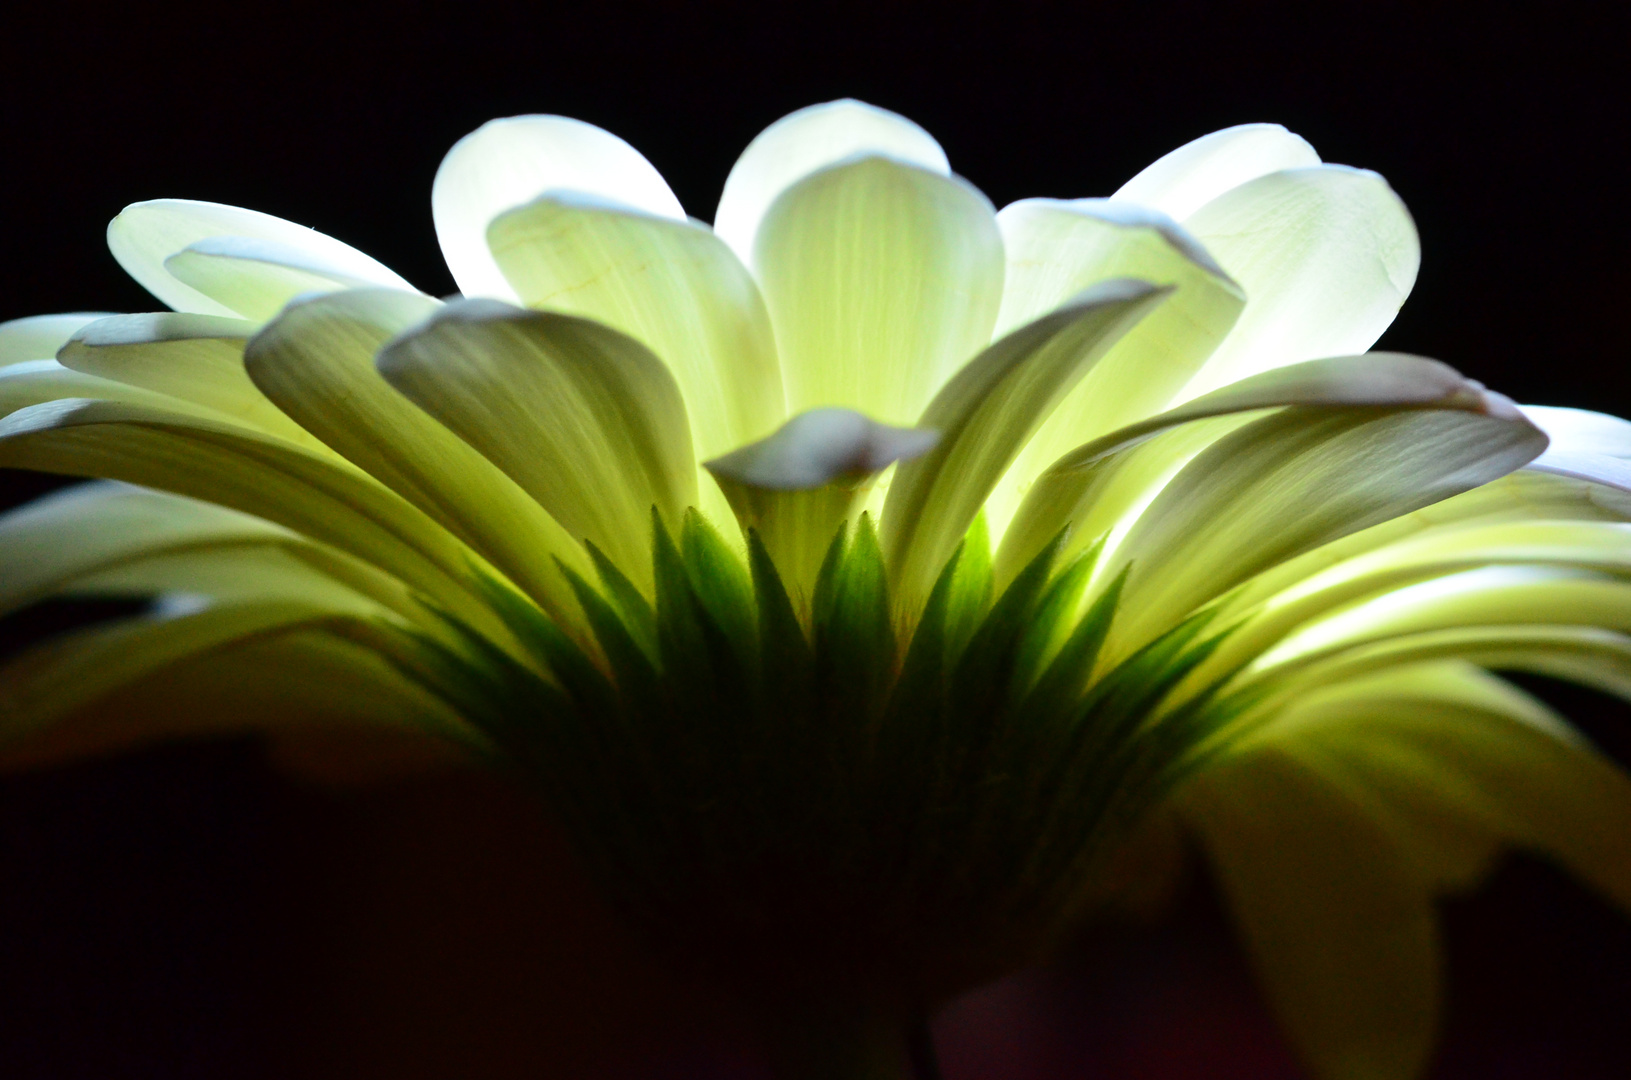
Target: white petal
(1341, 930)
(585, 419)
(194, 358)
(1326, 256)
(1054, 250)
(802, 143)
(1198, 172)
(146, 234)
(257, 277)
(882, 279)
(316, 362)
(38, 337)
(796, 487)
(505, 163)
(671, 285)
(985, 414)
(1586, 445)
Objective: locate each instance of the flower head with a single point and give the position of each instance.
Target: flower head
(864, 578)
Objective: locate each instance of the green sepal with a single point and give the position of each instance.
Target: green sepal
(630, 603)
(855, 634)
(971, 588)
(721, 583)
(632, 669)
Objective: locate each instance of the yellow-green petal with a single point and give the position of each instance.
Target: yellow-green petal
(256, 277)
(1339, 927)
(1297, 479)
(985, 414)
(798, 486)
(672, 285)
(192, 358)
(316, 363)
(38, 337)
(1097, 487)
(585, 419)
(1055, 249)
(317, 496)
(882, 279)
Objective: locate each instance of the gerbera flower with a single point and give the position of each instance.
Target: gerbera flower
(868, 579)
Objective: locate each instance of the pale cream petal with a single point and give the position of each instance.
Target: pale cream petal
(1056, 249)
(586, 420)
(236, 467)
(1585, 445)
(1326, 256)
(38, 337)
(984, 415)
(805, 141)
(672, 285)
(146, 234)
(1295, 480)
(1193, 175)
(256, 277)
(316, 363)
(1339, 926)
(32, 382)
(1097, 487)
(81, 538)
(193, 358)
(882, 279)
(796, 487)
(1422, 554)
(73, 671)
(48, 543)
(506, 163)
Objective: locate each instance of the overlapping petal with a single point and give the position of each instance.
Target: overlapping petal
(807, 141)
(672, 285)
(213, 259)
(316, 362)
(585, 419)
(507, 163)
(881, 279)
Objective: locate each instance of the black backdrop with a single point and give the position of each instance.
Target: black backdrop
(192, 912)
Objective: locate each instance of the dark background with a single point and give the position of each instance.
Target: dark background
(195, 912)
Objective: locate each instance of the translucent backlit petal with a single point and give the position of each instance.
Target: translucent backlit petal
(38, 337)
(316, 362)
(1326, 256)
(1297, 479)
(672, 285)
(1097, 485)
(882, 279)
(193, 358)
(506, 163)
(317, 496)
(1193, 175)
(146, 234)
(806, 141)
(1339, 927)
(798, 486)
(586, 420)
(985, 414)
(1055, 249)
